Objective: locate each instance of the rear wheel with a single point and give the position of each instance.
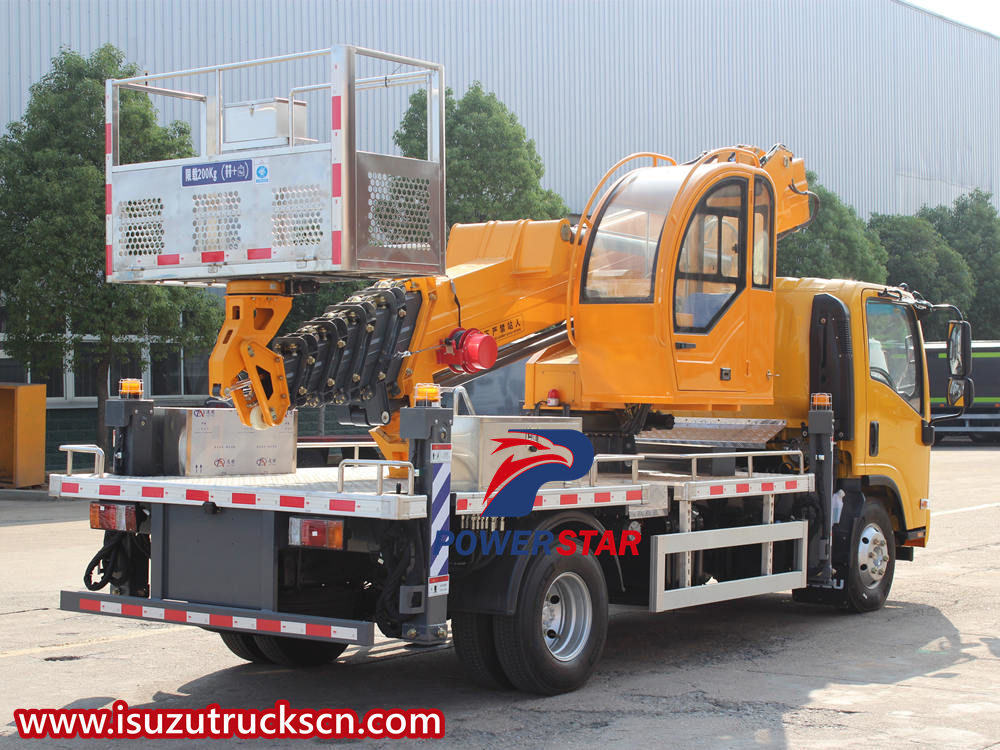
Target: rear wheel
(873, 560)
(298, 652)
(244, 646)
(553, 640)
(476, 648)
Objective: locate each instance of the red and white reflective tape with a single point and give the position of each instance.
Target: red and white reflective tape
(469, 504)
(360, 505)
(108, 164)
(772, 485)
(178, 612)
(337, 87)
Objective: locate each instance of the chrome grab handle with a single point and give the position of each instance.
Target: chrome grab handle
(95, 450)
(381, 464)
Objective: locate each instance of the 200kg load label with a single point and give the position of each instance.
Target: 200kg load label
(217, 173)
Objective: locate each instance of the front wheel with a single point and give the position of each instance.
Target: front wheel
(553, 640)
(873, 560)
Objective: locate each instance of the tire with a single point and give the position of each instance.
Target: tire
(298, 652)
(570, 594)
(476, 649)
(244, 646)
(872, 560)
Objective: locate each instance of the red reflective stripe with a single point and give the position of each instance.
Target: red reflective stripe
(568, 499)
(320, 630)
(288, 501)
(766, 486)
(109, 489)
(213, 256)
(437, 579)
(791, 485)
(335, 248)
(244, 498)
(743, 488)
(107, 138)
(220, 621)
(107, 260)
(602, 497)
(346, 505)
(70, 487)
(107, 198)
(175, 615)
(199, 495)
(90, 605)
(716, 490)
(335, 113)
(538, 500)
(269, 626)
(168, 260)
(462, 503)
(633, 494)
(132, 610)
(152, 492)
(258, 253)
(335, 187)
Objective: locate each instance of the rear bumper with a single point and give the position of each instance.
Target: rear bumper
(354, 632)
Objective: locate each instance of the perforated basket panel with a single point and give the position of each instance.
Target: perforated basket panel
(297, 218)
(140, 226)
(399, 212)
(216, 222)
(274, 213)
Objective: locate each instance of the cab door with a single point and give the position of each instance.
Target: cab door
(710, 306)
(760, 293)
(895, 395)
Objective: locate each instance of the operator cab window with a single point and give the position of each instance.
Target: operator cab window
(711, 268)
(763, 206)
(893, 358)
(621, 259)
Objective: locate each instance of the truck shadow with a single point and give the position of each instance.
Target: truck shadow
(732, 674)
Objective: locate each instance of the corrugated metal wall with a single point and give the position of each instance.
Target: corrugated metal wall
(891, 106)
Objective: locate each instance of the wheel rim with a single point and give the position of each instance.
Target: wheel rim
(873, 556)
(567, 616)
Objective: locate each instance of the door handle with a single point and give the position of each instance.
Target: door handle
(684, 345)
(873, 439)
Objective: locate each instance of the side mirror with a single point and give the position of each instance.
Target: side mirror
(961, 393)
(959, 350)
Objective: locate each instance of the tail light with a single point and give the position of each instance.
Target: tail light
(113, 517)
(315, 532)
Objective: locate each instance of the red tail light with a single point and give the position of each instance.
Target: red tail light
(315, 532)
(113, 517)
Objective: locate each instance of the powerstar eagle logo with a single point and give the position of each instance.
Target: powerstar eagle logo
(554, 456)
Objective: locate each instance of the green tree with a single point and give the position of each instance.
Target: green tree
(972, 228)
(836, 245)
(920, 258)
(493, 170)
(52, 235)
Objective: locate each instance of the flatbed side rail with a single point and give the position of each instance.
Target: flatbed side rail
(319, 497)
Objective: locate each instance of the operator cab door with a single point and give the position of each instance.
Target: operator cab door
(896, 396)
(710, 301)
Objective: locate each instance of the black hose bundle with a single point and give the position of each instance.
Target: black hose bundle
(111, 561)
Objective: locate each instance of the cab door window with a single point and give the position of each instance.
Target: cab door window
(763, 230)
(711, 267)
(893, 350)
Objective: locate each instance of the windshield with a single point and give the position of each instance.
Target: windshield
(621, 259)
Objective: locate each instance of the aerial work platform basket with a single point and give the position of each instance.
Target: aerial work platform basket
(264, 198)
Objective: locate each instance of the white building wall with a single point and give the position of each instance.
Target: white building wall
(893, 107)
